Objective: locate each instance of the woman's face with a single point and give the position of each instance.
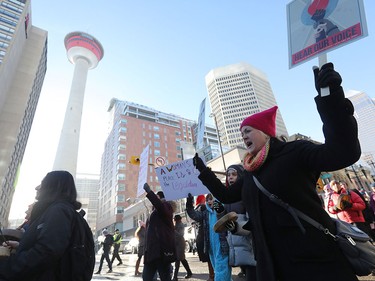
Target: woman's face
(253, 139)
(210, 201)
(232, 176)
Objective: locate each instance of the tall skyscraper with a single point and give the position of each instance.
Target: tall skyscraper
(23, 63)
(235, 92)
(364, 108)
(132, 128)
(85, 52)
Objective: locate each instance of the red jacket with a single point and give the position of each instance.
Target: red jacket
(350, 215)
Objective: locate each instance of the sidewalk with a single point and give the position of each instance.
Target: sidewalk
(125, 272)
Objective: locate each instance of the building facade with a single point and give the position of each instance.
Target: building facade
(131, 128)
(235, 92)
(23, 64)
(364, 112)
(87, 189)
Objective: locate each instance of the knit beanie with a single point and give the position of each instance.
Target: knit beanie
(264, 121)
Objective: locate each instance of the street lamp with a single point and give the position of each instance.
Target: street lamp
(218, 136)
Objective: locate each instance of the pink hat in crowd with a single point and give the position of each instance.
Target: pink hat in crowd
(264, 121)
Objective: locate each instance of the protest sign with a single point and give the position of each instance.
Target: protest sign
(179, 179)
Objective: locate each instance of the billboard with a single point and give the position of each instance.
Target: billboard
(318, 26)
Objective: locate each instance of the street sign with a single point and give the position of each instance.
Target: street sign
(159, 161)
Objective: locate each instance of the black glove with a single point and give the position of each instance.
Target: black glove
(346, 204)
(218, 207)
(327, 77)
(231, 226)
(190, 200)
(146, 187)
(198, 163)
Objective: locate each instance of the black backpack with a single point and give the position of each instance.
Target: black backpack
(79, 260)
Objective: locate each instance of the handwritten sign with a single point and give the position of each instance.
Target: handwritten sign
(179, 179)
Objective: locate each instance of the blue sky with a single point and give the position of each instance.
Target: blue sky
(157, 53)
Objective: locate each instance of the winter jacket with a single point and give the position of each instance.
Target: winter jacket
(160, 240)
(42, 247)
(179, 229)
(290, 171)
(107, 243)
(352, 214)
(202, 239)
(215, 244)
(241, 250)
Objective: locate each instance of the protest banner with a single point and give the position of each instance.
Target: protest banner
(179, 179)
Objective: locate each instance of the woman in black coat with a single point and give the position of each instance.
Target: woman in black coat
(160, 248)
(43, 245)
(290, 170)
(179, 229)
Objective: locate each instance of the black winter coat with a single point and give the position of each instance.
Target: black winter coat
(291, 171)
(41, 247)
(160, 239)
(179, 229)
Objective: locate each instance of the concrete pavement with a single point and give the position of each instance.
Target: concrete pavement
(125, 272)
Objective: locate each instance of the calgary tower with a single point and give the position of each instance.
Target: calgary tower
(85, 52)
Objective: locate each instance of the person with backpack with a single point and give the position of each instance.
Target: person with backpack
(46, 250)
(106, 244)
(116, 246)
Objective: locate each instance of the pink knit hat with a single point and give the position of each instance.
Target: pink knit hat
(263, 121)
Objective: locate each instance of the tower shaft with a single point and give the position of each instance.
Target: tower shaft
(67, 151)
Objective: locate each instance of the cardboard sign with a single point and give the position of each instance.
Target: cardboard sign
(179, 179)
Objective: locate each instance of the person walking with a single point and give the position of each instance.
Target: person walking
(116, 246)
(44, 246)
(160, 248)
(106, 244)
(215, 244)
(179, 229)
(140, 233)
(286, 247)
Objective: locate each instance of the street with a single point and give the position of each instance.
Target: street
(125, 272)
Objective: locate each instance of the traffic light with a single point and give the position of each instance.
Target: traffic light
(135, 160)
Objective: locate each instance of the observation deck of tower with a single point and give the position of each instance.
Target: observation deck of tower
(80, 44)
(85, 52)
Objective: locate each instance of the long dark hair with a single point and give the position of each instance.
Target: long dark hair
(56, 186)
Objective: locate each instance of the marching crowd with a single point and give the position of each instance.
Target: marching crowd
(239, 225)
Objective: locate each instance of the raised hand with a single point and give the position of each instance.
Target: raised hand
(190, 200)
(218, 207)
(198, 163)
(325, 77)
(146, 187)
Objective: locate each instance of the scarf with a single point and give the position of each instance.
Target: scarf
(254, 162)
